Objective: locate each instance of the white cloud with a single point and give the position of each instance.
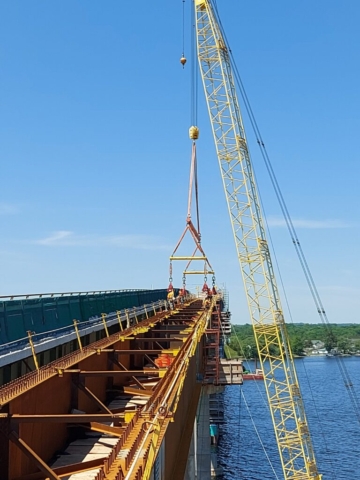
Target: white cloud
(57, 238)
(304, 223)
(65, 238)
(8, 209)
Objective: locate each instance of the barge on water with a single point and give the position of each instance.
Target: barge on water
(257, 375)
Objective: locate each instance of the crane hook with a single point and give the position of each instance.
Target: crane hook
(183, 60)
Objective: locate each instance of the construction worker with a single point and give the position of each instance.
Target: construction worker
(207, 300)
(170, 298)
(182, 295)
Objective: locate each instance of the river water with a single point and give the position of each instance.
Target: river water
(249, 452)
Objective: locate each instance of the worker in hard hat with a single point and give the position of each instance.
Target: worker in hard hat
(170, 298)
(207, 300)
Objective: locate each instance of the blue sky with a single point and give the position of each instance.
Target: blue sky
(95, 111)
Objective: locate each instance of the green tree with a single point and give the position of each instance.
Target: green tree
(344, 345)
(330, 341)
(297, 345)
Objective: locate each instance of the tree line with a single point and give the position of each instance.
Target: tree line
(344, 338)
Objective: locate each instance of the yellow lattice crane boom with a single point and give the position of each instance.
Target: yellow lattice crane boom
(284, 396)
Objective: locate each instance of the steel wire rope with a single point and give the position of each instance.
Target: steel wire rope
(194, 104)
(292, 322)
(239, 426)
(265, 403)
(259, 193)
(194, 71)
(197, 194)
(192, 74)
(271, 242)
(261, 394)
(305, 266)
(261, 202)
(289, 223)
(183, 27)
(258, 434)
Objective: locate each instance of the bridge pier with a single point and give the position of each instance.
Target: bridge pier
(202, 459)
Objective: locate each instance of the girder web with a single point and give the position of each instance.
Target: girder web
(286, 406)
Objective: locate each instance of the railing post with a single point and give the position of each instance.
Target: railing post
(77, 334)
(30, 333)
(127, 318)
(103, 317)
(119, 318)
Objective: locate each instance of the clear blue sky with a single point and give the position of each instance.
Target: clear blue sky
(95, 111)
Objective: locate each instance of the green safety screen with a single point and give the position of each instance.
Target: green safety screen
(40, 315)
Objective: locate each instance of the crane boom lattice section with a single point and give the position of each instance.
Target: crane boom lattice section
(286, 405)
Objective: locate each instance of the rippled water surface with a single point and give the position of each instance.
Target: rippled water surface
(334, 426)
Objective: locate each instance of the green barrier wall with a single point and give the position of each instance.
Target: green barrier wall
(43, 314)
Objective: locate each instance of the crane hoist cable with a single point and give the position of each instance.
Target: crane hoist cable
(280, 378)
(194, 230)
(258, 434)
(348, 383)
(261, 396)
(194, 73)
(183, 58)
(346, 378)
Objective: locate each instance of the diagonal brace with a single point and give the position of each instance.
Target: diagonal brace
(92, 396)
(120, 365)
(29, 452)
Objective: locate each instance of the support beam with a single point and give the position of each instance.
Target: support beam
(67, 470)
(81, 418)
(120, 365)
(136, 391)
(106, 429)
(29, 452)
(79, 467)
(115, 373)
(149, 359)
(93, 397)
(198, 272)
(159, 339)
(138, 352)
(172, 330)
(153, 386)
